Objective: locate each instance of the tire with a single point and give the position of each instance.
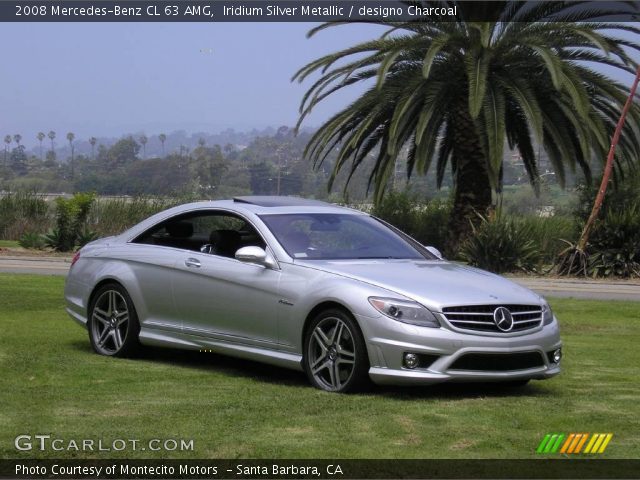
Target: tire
(335, 356)
(113, 323)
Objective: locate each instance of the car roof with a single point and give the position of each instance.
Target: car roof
(279, 201)
(269, 205)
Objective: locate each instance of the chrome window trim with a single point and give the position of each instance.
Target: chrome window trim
(131, 240)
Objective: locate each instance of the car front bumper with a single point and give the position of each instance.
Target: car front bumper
(388, 340)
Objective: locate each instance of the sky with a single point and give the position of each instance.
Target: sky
(108, 79)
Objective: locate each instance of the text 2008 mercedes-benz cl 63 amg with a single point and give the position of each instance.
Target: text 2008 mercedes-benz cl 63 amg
(311, 286)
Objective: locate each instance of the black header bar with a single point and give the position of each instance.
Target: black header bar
(280, 10)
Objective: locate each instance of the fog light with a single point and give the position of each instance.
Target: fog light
(557, 355)
(410, 360)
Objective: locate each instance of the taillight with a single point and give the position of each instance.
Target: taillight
(75, 258)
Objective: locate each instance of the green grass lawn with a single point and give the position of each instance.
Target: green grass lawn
(52, 383)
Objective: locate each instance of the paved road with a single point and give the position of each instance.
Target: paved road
(37, 265)
(552, 287)
(589, 289)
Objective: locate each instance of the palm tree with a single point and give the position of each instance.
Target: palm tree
(93, 141)
(456, 92)
(143, 141)
(7, 141)
(162, 137)
(17, 138)
(70, 137)
(41, 136)
(52, 136)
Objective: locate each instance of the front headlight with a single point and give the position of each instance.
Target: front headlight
(405, 311)
(547, 314)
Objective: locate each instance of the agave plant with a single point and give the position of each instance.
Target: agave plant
(455, 93)
(501, 244)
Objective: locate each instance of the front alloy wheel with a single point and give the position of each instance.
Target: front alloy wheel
(336, 357)
(113, 323)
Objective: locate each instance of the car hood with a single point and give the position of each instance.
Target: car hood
(435, 284)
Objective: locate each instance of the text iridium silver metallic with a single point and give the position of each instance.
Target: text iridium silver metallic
(311, 286)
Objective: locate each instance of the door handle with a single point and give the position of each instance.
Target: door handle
(192, 262)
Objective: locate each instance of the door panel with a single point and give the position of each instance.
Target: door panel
(152, 267)
(223, 297)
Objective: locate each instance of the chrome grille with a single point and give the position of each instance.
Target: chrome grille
(480, 317)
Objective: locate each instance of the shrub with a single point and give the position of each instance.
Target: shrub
(550, 234)
(32, 240)
(501, 244)
(86, 236)
(114, 215)
(426, 222)
(614, 246)
(71, 219)
(22, 212)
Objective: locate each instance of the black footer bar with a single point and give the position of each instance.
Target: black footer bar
(319, 469)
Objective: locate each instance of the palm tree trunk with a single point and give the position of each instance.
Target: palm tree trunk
(471, 180)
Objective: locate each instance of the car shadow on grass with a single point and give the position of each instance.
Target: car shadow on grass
(460, 391)
(262, 372)
(229, 366)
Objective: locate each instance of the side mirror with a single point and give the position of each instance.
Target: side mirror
(435, 251)
(255, 255)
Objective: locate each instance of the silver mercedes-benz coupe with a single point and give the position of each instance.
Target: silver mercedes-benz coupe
(307, 285)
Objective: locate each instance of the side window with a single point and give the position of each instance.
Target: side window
(211, 231)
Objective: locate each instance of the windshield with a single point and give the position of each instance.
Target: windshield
(330, 236)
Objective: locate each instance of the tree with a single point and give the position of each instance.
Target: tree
(50, 161)
(19, 160)
(261, 179)
(121, 153)
(209, 166)
(52, 136)
(70, 137)
(41, 136)
(143, 141)
(7, 141)
(456, 92)
(17, 138)
(163, 138)
(92, 142)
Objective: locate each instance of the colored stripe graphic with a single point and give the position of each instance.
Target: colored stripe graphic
(594, 437)
(574, 442)
(598, 443)
(550, 443)
(605, 443)
(556, 445)
(543, 443)
(565, 447)
(581, 443)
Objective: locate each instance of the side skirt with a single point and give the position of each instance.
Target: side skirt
(163, 338)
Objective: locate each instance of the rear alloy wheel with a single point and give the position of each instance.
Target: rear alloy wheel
(335, 357)
(113, 323)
